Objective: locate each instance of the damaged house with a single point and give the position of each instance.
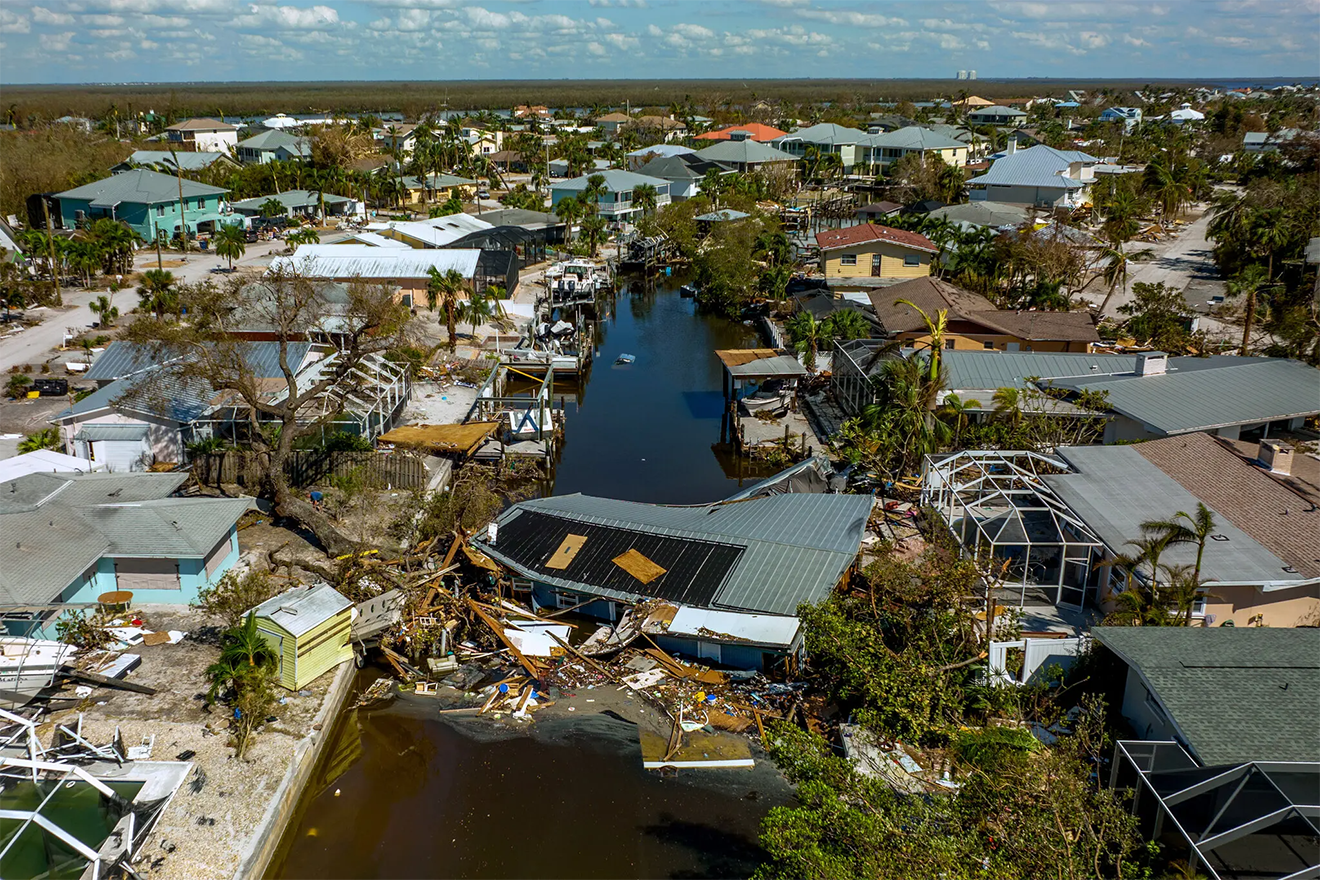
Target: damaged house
(145, 412)
(727, 577)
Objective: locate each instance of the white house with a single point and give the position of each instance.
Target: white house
(617, 201)
(205, 135)
(1040, 176)
(1185, 114)
(1129, 116)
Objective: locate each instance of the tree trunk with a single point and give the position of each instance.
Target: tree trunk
(1246, 324)
(290, 504)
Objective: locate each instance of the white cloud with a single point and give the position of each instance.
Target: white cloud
(847, 18)
(13, 23)
(56, 42)
(621, 4)
(693, 31)
(289, 17)
(1093, 40)
(42, 15)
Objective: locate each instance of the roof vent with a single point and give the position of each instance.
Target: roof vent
(1275, 455)
(1152, 363)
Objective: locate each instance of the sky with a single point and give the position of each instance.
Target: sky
(72, 41)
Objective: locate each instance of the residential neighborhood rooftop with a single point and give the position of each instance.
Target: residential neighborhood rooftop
(867, 232)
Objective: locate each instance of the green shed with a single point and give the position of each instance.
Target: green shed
(308, 626)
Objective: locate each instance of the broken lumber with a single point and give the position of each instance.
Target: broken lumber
(532, 668)
(105, 681)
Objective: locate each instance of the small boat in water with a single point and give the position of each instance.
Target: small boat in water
(687, 291)
(625, 359)
(29, 665)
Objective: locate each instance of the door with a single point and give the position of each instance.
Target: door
(119, 456)
(1072, 592)
(876, 261)
(709, 651)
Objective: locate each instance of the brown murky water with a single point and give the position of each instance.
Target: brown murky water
(422, 796)
(426, 797)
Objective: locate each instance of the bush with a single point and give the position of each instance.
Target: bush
(82, 630)
(17, 385)
(233, 595)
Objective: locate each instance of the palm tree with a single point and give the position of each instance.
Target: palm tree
(272, 207)
(955, 409)
(847, 324)
(595, 190)
(936, 327)
(1186, 528)
(593, 230)
(644, 196)
(571, 210)
(478, 310)
(809, 336)
(306, 235)
(1249, 282)
(442, 290)
(157, 293)
(1116, 266)
(230, 243)
(713, 184)
(244, 651)
(46, 438)
(105, 312)
(1008, 404)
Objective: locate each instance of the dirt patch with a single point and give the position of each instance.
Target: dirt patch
(206, 827)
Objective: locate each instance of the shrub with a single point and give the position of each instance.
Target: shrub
(233, 595)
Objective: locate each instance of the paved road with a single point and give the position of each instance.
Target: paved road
(35, 344)
(1187, 258)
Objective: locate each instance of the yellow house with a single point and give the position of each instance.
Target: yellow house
(868, 256)
(879, 150)
(309, 629)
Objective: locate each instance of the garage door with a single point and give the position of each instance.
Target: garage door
(121, 448)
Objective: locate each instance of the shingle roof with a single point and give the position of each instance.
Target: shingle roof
(1114, 490)
(1236, 694)
(864, 232)
(932, 295)
(793, 548)
(685, 167)
(65, 522)
(983, 213)
(1218, 393)
(290, 199)
(138, 187)
(747, 152)
(1040, 166)
(1244, 493)
(204, 123)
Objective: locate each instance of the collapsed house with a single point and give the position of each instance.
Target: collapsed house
(145, 411)
(727, 577)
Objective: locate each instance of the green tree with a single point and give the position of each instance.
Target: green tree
(442, 291)
(954, 410)
(477, 310)
(230, 243)
(809, 337)
(1158, 317)
(157, 293)
(594, 228)
(306, 235)
(46, 438)
(105, 311)
(644, 197)
(846, 324)
(272, 208)
(244, 670)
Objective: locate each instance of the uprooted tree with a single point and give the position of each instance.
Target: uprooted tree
(202, 351)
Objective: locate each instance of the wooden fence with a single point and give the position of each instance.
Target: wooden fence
(381, 470)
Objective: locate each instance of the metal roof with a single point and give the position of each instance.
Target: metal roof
(616, 180)
(983, 213)
(795, 547)
(912, 137)
(760, 629)
(1010, 369)
(1114, 490)
(1199, 394)
(274, 140)
(782, 365)
(302, 609)
(343, 261)
(122, 358)
(291, 198)
(65, 522)
(138, 187)
(722, 215)
(826, 134)
(746, 152)
(1234, 693)
(1038, 166)
(661, 150)
(93, 433)
(187, 160)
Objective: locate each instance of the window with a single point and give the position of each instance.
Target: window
(406, 299)
(160, 210)
(989, 345)
(147, 574)
(911, 260)
(950, 343)
(848, 260)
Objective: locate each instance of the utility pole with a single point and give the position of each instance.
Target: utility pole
(183, 225)
(54, 265)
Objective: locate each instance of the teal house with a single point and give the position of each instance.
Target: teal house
(70, 537)
(147, 201)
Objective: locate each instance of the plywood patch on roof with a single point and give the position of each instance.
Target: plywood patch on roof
(736, 357)
(638, 566)
(566, 552)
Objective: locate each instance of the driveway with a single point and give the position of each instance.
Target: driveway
(35, 344)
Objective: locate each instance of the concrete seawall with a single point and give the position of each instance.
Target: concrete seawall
(265, 840)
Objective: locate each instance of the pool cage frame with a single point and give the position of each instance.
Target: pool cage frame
(1011, 523)
(1258, 819)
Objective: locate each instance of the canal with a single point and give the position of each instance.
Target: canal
(407, 793)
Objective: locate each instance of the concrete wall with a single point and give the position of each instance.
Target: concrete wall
(891, 261)
(1249, 606)
(164, 437)
(1146, 719)
(1021, 195)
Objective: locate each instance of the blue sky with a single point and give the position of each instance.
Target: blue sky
(173, 40)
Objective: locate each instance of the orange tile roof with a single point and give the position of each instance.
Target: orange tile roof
(837, 238)
(758, 132)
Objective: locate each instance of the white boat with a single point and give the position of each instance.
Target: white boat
(577, 278)
(771, 395)
(28, 665)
